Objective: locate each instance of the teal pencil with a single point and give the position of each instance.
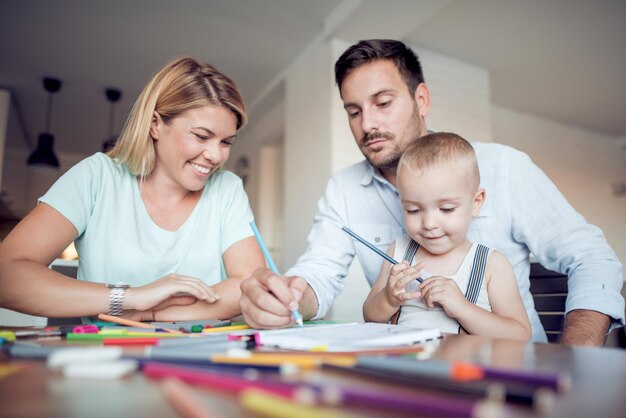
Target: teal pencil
(295, 313)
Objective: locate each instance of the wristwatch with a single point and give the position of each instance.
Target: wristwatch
(116, 298)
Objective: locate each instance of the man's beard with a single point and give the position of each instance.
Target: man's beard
(388, 161)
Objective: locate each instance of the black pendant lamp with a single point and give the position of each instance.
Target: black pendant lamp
(44, 156)
(113, 96)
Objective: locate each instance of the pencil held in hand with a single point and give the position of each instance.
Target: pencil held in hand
(372, 247)
(297, 316)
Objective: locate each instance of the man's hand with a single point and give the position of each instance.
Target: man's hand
(587, 328)
(267, 299)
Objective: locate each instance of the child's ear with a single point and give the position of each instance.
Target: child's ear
(479, 199)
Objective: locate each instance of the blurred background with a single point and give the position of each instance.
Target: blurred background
(546, 77)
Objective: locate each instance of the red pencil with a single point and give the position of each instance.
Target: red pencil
(131, 341)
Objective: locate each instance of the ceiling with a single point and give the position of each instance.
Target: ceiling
(562, 59)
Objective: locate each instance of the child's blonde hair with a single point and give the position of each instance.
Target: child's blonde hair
(441, 147)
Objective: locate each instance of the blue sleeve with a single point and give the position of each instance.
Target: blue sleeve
(563, 241)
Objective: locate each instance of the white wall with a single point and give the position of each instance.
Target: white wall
(460, 96)
(307, 150)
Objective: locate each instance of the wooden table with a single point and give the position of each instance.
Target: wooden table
(599, 384)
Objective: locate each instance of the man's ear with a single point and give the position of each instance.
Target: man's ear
(422, 98)
(479, 199)
(154, 125)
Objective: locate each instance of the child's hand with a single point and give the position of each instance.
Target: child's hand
(400, 276)
(445, 292)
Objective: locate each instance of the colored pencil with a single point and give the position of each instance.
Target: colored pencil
(34, 351)
(329, 394)
(276, 359)
(427, 404)
(184, 400)
(130, 341)
(198, 339)
(131, 323)
(99, 337)
(450, 370)
(295, 313)
(541, 400)
(225, 329)
(372, 247)
(194, 354)
(224, 382)
(464, 371)
(263, 403)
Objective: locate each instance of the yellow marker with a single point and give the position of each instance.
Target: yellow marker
(270, 405)
(225, 329)
(7, 335)
(302, 360)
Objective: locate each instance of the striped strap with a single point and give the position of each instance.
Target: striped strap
(411, 249)
(477, 274)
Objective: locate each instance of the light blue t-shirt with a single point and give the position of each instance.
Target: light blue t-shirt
(118, 241)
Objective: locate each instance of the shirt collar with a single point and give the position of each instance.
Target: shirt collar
(372, 174)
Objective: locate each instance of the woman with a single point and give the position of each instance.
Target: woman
(156, 214)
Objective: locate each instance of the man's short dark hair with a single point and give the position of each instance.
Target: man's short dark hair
(372, 50)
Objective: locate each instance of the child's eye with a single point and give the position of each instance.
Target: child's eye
(447, 210)
(413, 211)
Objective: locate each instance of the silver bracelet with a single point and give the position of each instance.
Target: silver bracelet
(116, 298)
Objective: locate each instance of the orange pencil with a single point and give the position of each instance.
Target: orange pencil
(184, 401)
(131, 323)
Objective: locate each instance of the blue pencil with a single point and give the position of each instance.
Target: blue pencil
(296, 313)
(373, 248)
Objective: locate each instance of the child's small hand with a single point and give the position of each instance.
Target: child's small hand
(400, 276)
(445, 292)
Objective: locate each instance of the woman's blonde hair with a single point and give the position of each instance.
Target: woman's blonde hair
(181, 85)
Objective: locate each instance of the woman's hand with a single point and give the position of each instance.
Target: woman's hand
(173, 289)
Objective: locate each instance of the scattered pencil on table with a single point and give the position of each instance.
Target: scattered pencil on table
(131, 323)
(297, 316)
(372, 247)
(182, 397)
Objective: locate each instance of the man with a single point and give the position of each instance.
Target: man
(383, 91)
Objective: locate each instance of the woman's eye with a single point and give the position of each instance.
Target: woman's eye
(201, 137)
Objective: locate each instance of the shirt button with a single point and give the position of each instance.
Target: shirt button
(377, 239)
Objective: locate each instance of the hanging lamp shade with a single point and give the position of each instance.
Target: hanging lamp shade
(43, 155)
